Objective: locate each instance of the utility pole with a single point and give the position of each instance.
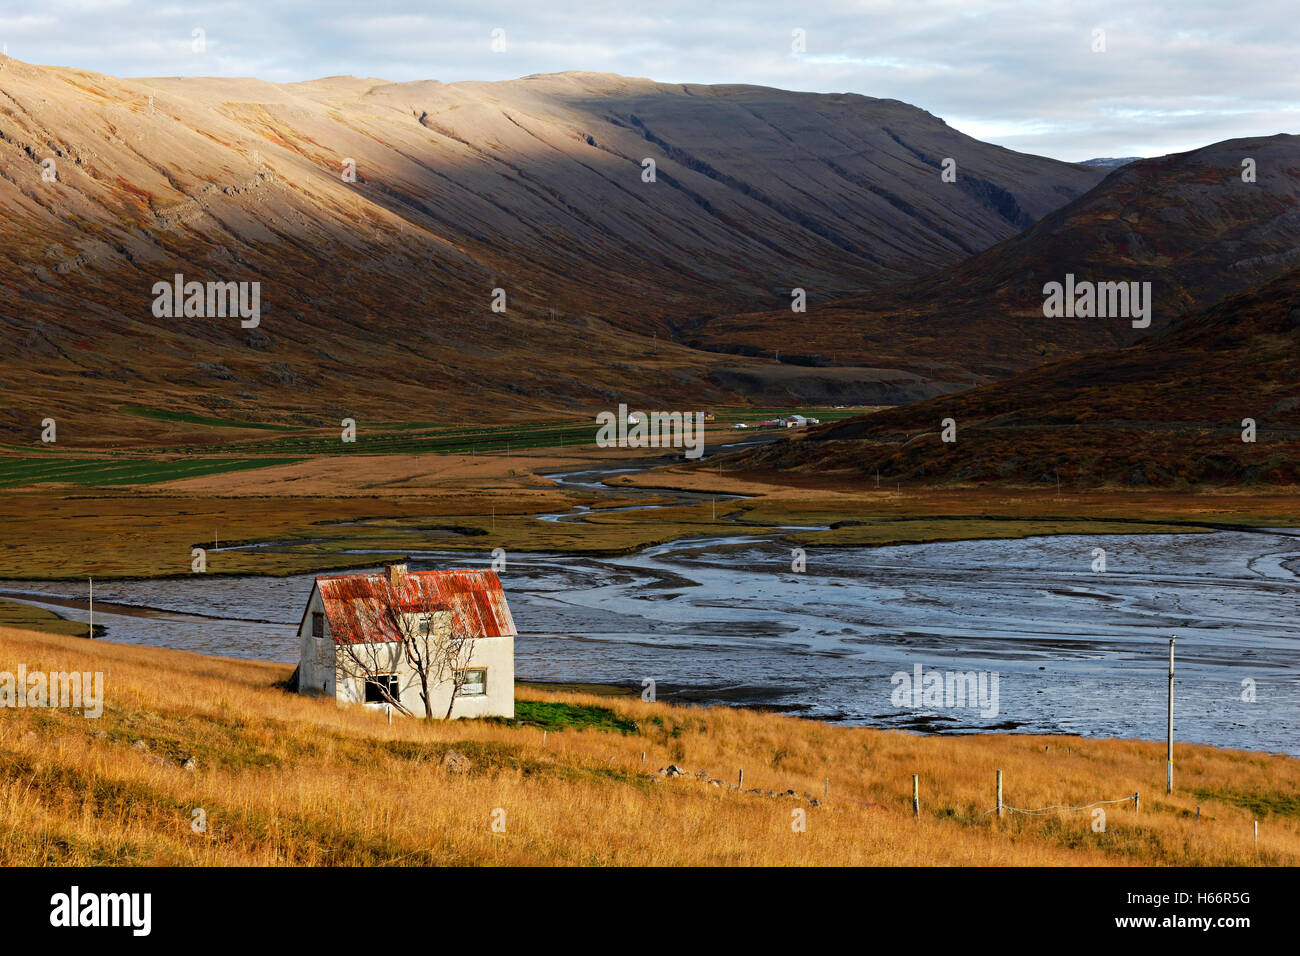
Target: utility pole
(1169, 782)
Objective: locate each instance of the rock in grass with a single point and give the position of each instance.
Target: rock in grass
(454, 762)
(143, 748)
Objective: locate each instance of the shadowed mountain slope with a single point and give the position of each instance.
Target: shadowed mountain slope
(1187, 223)
(1169, 410)
(376, 293)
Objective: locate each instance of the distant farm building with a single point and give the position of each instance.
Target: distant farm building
(381, 611)
(800, 421)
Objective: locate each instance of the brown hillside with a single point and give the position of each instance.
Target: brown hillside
(1165, 411)
(376, 293)
(1186, 223)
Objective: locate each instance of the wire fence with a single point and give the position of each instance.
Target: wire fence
(1057, 809)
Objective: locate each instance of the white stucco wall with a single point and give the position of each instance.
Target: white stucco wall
(316, 674)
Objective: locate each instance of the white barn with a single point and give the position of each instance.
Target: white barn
(359, 609)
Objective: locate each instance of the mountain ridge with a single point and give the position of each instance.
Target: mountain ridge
(380, 291)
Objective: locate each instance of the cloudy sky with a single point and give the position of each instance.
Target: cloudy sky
(1172, 76)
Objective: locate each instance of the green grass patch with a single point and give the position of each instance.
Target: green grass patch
(390, 439)
(190, 418)
(549, 715)
(1261, 803)
(107, 472)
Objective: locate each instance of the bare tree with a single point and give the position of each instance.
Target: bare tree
(386, 624)
(439, 652)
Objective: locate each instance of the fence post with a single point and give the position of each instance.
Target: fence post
(916, 795)
(1169, 785)
(1256, 836)
(1137, 802)
(826, 791)
(999, 794)
(740, 784)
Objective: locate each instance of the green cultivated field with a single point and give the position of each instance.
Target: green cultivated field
(391, 439)
(189, 418)
(105, 472)
(294, 444)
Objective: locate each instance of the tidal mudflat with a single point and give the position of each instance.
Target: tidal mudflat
(726, 619)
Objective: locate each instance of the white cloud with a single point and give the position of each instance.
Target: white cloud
(1174, 75)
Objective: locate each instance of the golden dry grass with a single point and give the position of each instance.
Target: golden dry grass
(291, 780)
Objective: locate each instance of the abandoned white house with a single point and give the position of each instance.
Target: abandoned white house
(398, 636)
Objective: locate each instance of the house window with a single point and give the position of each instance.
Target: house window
(426, 625)
(474, 682)
(317, 624)
(379, 686)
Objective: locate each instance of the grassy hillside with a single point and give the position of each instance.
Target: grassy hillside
(284, 779)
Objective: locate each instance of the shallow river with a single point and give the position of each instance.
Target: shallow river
(1074, 650)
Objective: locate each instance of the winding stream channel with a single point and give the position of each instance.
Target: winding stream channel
(725, 619)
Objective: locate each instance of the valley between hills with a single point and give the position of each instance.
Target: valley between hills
(923, 306)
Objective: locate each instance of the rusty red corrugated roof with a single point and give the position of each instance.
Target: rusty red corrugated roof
(355, 603)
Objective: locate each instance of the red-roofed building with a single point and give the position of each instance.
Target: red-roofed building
(358, 630)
